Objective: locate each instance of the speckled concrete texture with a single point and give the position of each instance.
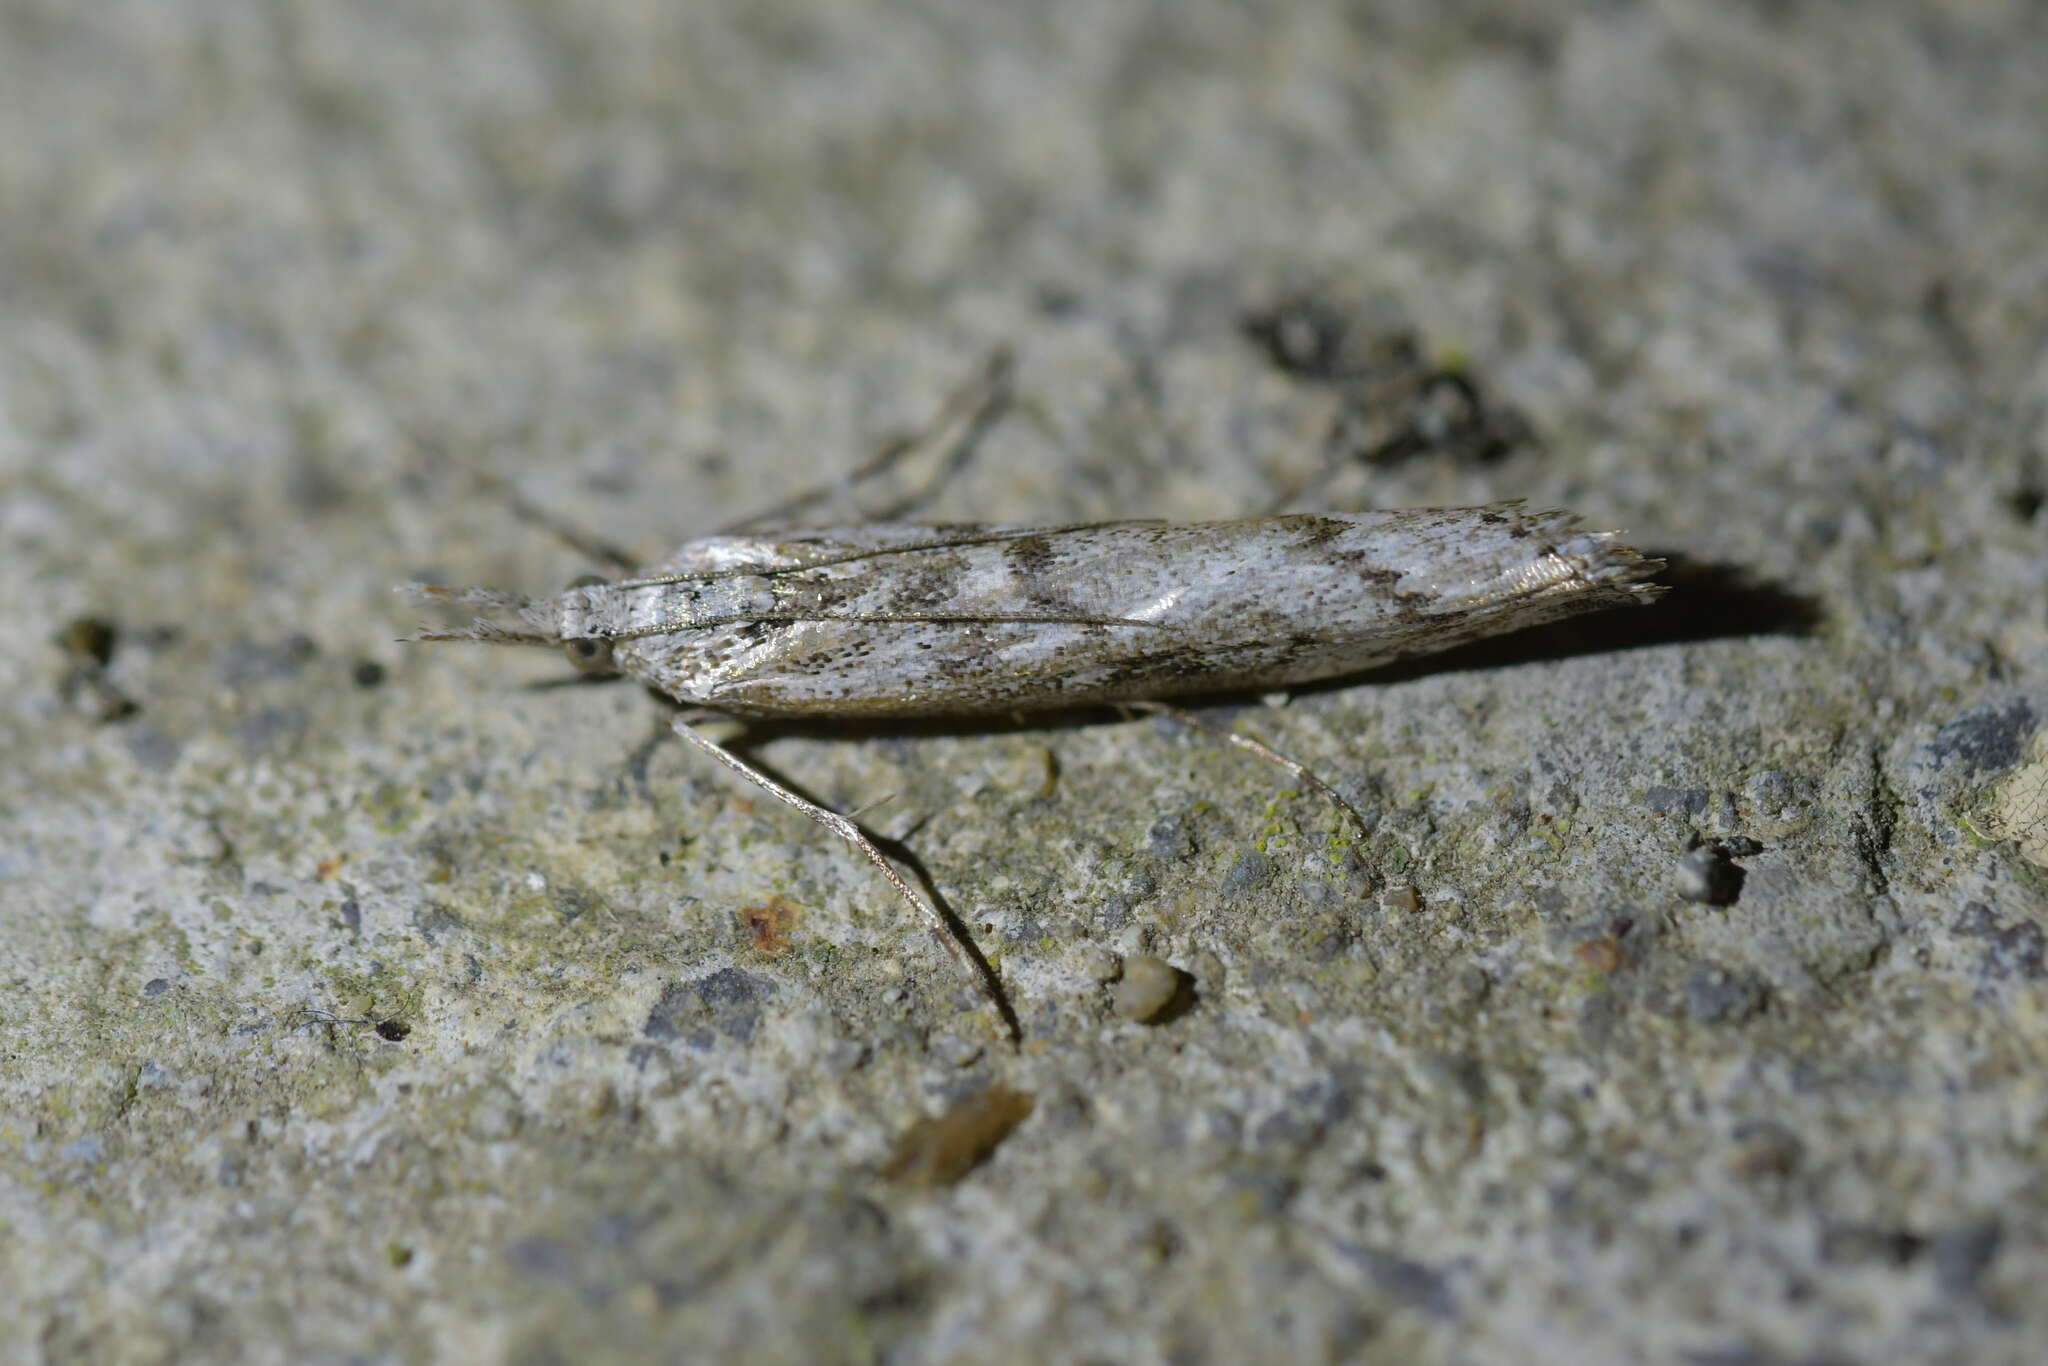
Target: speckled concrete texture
(374, 1002)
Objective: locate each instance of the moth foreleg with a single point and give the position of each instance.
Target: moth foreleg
(944, 444)
(582, 542)
(949, 935)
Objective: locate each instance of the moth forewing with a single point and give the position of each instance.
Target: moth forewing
(913, 620)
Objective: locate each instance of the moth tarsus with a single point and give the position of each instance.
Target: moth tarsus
(958, 947)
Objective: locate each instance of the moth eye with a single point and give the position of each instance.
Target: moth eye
(590, 656)
(587, 581)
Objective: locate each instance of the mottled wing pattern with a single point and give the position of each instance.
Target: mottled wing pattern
(901, 619)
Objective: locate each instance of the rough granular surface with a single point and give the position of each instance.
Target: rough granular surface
(1686, 1000)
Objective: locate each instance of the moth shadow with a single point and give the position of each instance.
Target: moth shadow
(1706, 600)
(1187, 995)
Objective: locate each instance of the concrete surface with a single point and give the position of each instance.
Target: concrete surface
(368, 1002)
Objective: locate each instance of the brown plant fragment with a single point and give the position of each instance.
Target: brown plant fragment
(768, 925)
(1603, 955)
(939, 1151)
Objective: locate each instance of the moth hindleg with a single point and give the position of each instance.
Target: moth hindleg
(582, 542)
(948, 439)
(943, 929)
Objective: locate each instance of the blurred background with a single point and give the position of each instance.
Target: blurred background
(299, 301)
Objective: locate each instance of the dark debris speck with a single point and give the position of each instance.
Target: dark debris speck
(2026, 502)
(89, 638)
(1302, 336)
(1709, 876)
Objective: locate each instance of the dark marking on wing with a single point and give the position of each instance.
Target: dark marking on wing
(1028, 556)
(1322, 530)
(921, 587)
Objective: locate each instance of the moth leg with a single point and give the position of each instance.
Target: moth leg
(949, 438)
(950, 937)
(582, 542)
(1270, 755)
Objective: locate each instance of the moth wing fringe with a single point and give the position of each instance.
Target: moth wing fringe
(1620, 570)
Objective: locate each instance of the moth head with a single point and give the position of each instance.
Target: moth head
(565, 621)
(590, 654)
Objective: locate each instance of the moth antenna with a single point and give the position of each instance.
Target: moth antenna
(472, 597)
(489, 632)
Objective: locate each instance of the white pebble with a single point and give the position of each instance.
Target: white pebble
(1149, 984)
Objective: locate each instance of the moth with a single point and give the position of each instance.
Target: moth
(905, 619)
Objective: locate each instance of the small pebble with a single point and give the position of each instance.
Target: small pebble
(1149, 985)
(1707, 875)
(1403, 898)
(89, 638)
